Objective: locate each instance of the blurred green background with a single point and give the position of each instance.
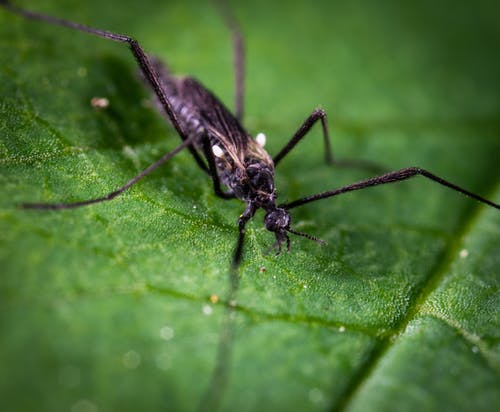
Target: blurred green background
(108, 307)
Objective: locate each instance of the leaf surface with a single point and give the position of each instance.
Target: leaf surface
(112, 307)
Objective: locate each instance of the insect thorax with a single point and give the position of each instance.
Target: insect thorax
(254, 184)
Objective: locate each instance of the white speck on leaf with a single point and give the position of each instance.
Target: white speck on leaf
(166, 332)
(84, 405)
(163, 361)
(82, 72)
(315, 395)
(131, 359)
(99, 102)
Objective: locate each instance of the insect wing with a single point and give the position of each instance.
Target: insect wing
(216, 118)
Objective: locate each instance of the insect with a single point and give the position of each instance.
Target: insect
(237, 163)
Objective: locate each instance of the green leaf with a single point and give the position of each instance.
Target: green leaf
(109, 307)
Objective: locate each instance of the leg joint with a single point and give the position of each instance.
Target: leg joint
(318, 112)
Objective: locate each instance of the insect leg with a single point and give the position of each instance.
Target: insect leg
(238, 251)
(207, 150)
(238, 58)
(317, 114)
(151, 76)
(390, 177)
(320, 114)
(112, 195)
(139, 55)
(167, 81)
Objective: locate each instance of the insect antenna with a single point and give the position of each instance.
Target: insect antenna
(277, 243)
(307, 235)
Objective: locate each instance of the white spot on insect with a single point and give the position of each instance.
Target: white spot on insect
(261, 139)
(217, 151)
(131, 359)
(99, 102)
(464, 253)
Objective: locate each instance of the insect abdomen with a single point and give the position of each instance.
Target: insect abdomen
(189, 119)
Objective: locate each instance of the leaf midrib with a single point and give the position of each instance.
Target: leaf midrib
(432, 282)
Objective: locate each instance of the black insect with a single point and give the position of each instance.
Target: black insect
(222, 147)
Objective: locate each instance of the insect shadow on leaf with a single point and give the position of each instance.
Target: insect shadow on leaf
(238, 165)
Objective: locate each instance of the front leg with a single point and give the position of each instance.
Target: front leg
(238, 250)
